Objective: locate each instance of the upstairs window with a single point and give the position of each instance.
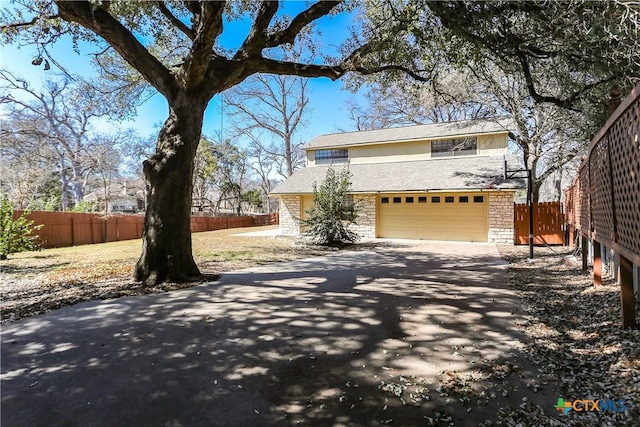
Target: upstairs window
(454, 147)
(327, 157)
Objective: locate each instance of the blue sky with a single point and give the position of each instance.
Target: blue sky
(328, 109)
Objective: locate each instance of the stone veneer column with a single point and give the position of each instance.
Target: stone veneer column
(366, 223)
(290, 215)
(501, 217)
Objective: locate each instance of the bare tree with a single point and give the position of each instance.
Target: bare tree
(27, 176)
(60, 116)
(262, 164)
(106, 155)
(270, 111)
(406, 102)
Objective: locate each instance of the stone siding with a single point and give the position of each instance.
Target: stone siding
(290, 215)
(501, 217)
(366, 224)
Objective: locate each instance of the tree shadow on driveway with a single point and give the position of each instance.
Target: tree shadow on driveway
(353, 338)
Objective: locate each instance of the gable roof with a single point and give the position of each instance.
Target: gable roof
(458, 173)
(409, 133)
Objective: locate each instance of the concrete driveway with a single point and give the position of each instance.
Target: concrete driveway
(353, 338)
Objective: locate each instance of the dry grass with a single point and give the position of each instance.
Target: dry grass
(37, 282)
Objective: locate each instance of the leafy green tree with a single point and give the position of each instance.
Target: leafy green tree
(332, 212)
(566, 52)
(253, 198)
(16, 235)
(84, 206)
(204, 173)
(230, 174)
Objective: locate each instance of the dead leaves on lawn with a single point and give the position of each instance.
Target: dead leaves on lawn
(576, 337)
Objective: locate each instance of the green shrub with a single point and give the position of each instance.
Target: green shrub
(84, 206)
(332, 213)
(16, 235)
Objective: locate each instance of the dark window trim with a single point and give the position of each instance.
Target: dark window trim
(333, 155)
(454, 147)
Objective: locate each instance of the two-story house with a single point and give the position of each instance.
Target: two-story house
(441, 181)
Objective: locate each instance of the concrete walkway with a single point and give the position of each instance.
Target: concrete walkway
(323, 341)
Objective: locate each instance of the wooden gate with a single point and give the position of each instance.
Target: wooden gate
(548, 224)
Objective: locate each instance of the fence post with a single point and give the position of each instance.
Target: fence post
(73, 237)
(627, 298)
(597, 263)
(91, 225)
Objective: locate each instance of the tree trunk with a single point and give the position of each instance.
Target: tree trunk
(166, 246)
(536, 191)
(64, 183)
(77, 182)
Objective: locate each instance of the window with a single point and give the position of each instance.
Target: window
(454, 147)
(408, 199)
(397, 200)
(478, 199)
(435, 199)
(326, 157)
(384, 200)
(449, 199)
(422, 199)
(463, 199)
(348, 200)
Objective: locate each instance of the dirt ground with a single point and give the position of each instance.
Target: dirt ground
(573, 332)
(37, 282)
(575, 336)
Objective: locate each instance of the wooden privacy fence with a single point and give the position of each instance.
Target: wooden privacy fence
(603, 202)
(548, 224)
(72, 228)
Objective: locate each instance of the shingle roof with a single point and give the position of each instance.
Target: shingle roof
(460, 173)
(408, 133)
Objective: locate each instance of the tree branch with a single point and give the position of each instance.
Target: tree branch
(272, 66)
(175, 21)
(27, 24)
(257, 38)
(289, 34)
(122, 40)
(207, 28)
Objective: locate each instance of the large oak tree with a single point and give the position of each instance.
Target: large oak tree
(175, 46)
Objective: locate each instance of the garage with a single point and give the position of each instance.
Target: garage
(433, 216)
